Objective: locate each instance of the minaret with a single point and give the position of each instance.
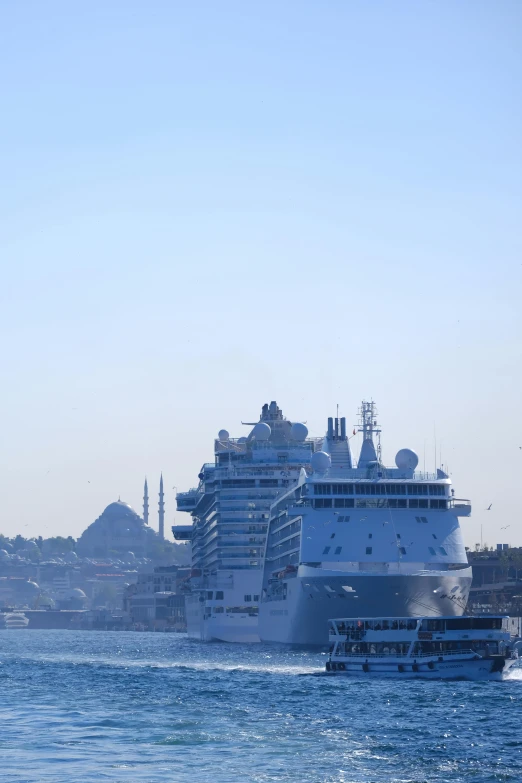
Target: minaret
(146, 502)
(161, 509)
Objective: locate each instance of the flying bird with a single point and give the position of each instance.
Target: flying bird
(489, 507)
(505, 528)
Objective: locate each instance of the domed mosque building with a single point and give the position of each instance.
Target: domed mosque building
(120, 530)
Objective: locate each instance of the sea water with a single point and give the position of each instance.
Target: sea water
(82, 707)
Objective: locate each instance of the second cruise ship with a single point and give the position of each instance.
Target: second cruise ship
(361, 540)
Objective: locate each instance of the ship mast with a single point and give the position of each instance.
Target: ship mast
(368, 425)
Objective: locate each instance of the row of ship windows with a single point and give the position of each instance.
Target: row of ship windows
(378, 503)
(369, 550)
(219, 596)
(379, 489)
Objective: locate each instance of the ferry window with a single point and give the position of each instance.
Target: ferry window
(361, 503)
(338, 550)
(326, 550)
(219, 595)
(437, 489)
(209, 595)
(403, 550)
(442, 550)
(248, 598)
(432, 551)
(256, 598)
(401, 503)
(370, 535)
(437, 504)
(423, 503)
(434, 536)
(398, 536)
(414, 504)
(369, 550)
(268, 483)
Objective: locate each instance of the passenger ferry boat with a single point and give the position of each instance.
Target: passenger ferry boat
(475, 648)
(361, 539)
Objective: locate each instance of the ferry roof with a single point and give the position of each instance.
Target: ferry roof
(424, 617)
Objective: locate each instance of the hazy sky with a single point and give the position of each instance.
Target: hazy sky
(205, 206)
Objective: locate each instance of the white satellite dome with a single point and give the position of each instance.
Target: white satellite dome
(241, 440)
(321, 461)
(406, 459)
(298, 431)
(261, 431)
(223, 435)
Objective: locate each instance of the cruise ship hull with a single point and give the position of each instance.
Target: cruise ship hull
(237, 627)
(302, 618)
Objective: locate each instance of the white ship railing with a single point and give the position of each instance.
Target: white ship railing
(437, 654)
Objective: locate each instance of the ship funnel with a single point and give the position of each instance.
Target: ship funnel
(330, 427)
(343, 428)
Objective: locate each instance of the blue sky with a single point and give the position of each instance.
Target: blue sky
(205, 206)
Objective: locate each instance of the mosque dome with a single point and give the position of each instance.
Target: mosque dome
(76, 592)
(118, 530)
(119, 510)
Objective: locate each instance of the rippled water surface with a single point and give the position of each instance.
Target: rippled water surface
(79, 706)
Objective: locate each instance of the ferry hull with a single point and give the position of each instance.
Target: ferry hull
(484, 669)
(303, 617)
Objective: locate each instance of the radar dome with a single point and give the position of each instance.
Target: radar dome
(321, 461)
(299, 431)
(406, 459)
(241, 440)
(223, 435)
(261, 431)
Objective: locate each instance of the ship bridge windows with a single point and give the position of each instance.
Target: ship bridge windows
(343, 502)
(395, 489)
(442, 550)
(333, 489)
(369, 550)
(437, 504)
(322, 503)
(432, 551)
(338, 550)
(370, 489)
(219, 595)
(437, 489)
(397, 503)
(326, 550)
(342, 518)
(239, 483)
(268, 482)
(418, 503)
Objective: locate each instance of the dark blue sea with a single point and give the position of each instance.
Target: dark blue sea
(82, 707)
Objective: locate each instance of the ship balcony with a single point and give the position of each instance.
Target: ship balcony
(182, 532)
(460, 507)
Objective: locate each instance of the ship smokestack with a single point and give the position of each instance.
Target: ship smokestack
(330, 427)
(343, 428)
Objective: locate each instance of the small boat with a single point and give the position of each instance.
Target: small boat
(480, 647)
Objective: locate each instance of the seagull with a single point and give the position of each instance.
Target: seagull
(505, 528)
(489, 507)
(362, 519)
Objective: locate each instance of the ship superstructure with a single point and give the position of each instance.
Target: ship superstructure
(230, 511)
(361, 541)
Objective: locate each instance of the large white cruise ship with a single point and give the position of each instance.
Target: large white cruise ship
(230, 511)
(361, 541)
